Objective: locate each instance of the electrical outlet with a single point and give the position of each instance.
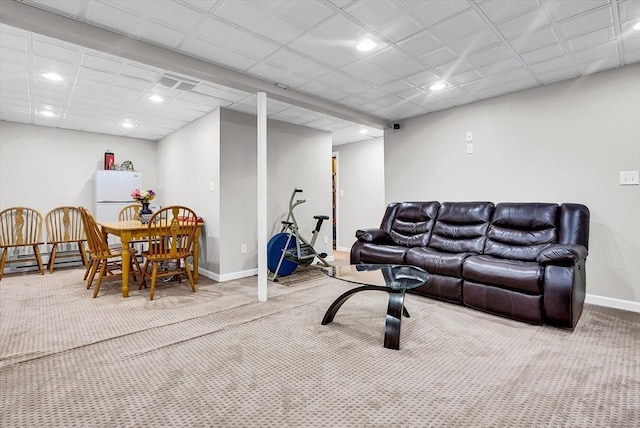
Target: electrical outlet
(469, 148)
(629, 178)
(243, 249)
(326, 239)
(469, 136)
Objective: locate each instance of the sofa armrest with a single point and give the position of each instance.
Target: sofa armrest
(374, 235)
(562, 254)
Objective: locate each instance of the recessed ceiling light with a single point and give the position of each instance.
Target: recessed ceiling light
(47, 113)
(54, 77)
(155, 98)
(127, 125)
(366, 45)
(438, 86)
(637, 26)
(363, 131)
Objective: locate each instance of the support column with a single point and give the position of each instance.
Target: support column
(262, 196)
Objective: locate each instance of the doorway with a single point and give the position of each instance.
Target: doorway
(334, 192)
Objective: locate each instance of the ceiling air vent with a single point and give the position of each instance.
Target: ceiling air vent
(175, 82)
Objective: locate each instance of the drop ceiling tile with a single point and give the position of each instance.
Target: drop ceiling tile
(242, 13)
(561, 10)
(16, 42)
(435, 11)
(321, 90)
(45, 65)
(278, 30)
(524, 24)
(276, 75)
(629, 10)
(439, 57)
(552, 66)
(140, 85)
(98, 76)
(478, 41)
(360, 69)
(204, 5)
(216, 54)
(535, 40)
(421, 44)
(162, 35)
(407, 68)
(19, 59)
(175, 14)
(595, 54)
(395, 86)
(592, 39)
(233, 95)
(543, 54)
(114, 17)
(379, 78)
(422, 78)
(8, 68)
(67, 7)
(398, 28)
(344, 82)
(337, 57)
(100, 62)
(586, 23)
(501, 66)
(460, 26)
(59, 51)
(307, 13)
(215, 31)
(338, 29)
(255, 47)
(374, 13)
(140, 71)
(498, 11)
(520, 74)
(138, 7)
(467, 77)
(602, 63)
(450, 93)
(490, 55)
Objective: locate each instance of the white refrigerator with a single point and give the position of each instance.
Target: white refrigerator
(112, 192)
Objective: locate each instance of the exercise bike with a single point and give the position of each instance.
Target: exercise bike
(288, 249)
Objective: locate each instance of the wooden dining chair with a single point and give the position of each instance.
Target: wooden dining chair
(170, 242)
(130, 212)
(64, 227)
(20, 227)
(103, 258)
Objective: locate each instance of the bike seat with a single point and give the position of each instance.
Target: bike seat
(321, 217)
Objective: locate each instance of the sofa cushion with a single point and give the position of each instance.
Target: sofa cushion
(376, 253)
(512, 274)
(436, 262)
(519, 231)
(461, 227)
(413, 223)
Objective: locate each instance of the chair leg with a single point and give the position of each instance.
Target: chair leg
(52, 257)
(95, 264)
(36, 251)
(88, 269)
(3, 259)
(103, 268)
(143, 275)
(189, 275)
(154, 275)
(83, 253)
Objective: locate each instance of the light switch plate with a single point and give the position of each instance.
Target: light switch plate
(469, 136)
(629, 178)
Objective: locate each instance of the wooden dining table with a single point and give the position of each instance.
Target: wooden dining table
(133, 230)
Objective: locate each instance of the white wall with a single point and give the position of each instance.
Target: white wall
(361, 178)
(44, 168)
(564, 142)
(188, 162)
(297, 156)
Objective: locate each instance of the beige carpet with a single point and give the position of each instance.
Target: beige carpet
(219, 358)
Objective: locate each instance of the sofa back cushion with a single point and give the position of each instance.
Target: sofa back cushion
(461, 227)
(413, 223)
(519, 231)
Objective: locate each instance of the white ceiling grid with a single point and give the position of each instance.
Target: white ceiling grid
(481, 49)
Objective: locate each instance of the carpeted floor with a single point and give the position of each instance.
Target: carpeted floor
(218, 357)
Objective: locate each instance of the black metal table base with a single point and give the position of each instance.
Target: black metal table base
(395, 311)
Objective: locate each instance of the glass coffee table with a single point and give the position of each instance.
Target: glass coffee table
(392, 279)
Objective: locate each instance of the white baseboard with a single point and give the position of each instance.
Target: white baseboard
(227, 276)
(344, 249)
(610, 302)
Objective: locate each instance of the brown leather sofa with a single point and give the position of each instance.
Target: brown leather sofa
(524, 261)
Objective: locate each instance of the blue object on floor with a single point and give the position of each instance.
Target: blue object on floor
(274, 251)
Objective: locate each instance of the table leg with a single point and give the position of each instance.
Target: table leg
(126, 263)
(196, 250)
(394, 318)
(333, 309)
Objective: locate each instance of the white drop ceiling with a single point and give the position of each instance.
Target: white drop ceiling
(481, 49)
